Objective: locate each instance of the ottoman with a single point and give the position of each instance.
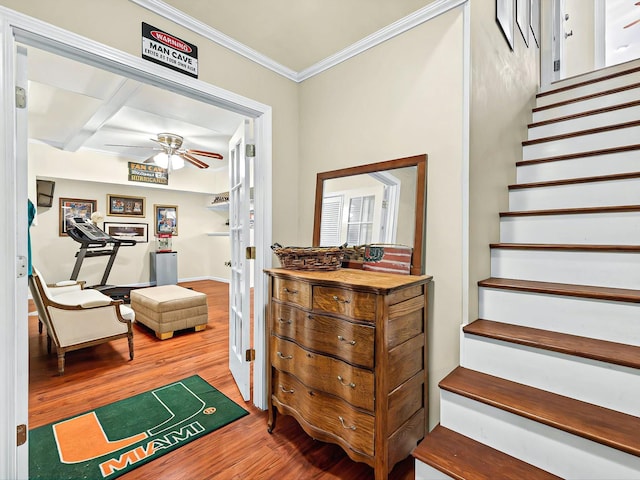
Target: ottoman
(168, 308)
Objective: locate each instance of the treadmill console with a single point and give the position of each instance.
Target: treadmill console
(90, 231)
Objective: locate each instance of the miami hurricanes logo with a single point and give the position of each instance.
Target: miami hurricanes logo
(83, 438)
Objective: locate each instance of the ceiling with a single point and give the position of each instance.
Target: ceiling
(73, 106)
(298, 33)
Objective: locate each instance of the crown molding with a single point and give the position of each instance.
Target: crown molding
(394, 29)
(178, 16)
(418, 17)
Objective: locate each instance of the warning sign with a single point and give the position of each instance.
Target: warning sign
(165, 49)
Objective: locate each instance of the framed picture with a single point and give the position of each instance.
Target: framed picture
(523, 11)
(128, 231)
(534, 21)
(125, 206)
(504, 17)
(166, 219)
(74, 208)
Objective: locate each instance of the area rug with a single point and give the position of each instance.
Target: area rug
(112, 440)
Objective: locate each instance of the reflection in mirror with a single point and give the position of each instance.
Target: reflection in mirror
(376, 207)
(374, 203)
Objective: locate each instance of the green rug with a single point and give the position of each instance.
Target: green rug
(112, 440)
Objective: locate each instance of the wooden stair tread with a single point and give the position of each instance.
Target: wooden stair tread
(463, 458)
(575, 247)
(573, 156)
(587, 97)
(588, 113)
(608, 427)
(588, 82)
(573, 181)
(572, 211)
(551, 288)
(580, 133)
(601, 350)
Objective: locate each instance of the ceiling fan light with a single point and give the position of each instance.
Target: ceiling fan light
(176, 162)
(161, 160)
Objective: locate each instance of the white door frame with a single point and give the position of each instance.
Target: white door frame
(16, 27)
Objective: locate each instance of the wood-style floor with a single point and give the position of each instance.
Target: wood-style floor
(242, 450)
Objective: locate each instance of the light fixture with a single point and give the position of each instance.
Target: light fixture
(162, 160)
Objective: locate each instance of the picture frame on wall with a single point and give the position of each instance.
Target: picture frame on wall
(504, 17)
(71, 208)
(166, 219)
(128, 231)
(523, 11)
(534, 21)
(125, 206)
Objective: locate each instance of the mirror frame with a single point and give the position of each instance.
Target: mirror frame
(419, 161)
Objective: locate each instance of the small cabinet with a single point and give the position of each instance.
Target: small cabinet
(348, 359)
(164, 268)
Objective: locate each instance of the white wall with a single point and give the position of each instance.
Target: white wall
(90, 176)
(503, 87)
(401, 98)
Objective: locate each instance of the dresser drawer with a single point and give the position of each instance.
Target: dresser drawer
(352, 342)
(354, 385)
(357, 305)
(292, 291)
(325, 412)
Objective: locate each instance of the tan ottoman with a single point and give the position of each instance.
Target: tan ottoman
(168, 308)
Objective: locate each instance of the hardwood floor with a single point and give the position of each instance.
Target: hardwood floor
(242, 450)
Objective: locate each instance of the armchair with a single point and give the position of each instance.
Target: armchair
(77, 318)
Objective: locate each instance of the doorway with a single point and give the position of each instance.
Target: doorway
(13, 252)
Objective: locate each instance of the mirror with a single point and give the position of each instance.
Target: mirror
(374, 203)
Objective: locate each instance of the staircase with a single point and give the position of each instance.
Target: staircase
(549, 379)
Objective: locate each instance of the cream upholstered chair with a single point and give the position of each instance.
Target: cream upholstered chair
(76, 318)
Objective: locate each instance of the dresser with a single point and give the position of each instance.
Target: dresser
(348, 360)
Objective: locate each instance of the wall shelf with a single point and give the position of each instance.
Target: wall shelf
(218, 234)
(218, 206)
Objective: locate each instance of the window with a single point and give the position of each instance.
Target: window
(360, 223)
(331, 221)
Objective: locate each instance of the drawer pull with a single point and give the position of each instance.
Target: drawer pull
(341, 380)
(285, 390)
(341, 300)
(348, 427)
(292, 292)
(282, 320)
(342, 339)
(284, 357)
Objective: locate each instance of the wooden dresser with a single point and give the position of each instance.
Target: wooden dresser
(348, 360)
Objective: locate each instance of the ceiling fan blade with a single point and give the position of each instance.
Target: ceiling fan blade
(193, 160)
(635, 22)
(205, 154)
(150, 147)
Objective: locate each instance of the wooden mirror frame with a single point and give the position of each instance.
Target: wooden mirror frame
(419, 161)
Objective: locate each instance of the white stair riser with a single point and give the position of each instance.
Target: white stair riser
(589, 89)
(623, 162)
(611, 269)
(609, 386)
(583, 143)
(586, 105)
(575, 195)
(596, 229)
(593, 75)
(555, 451)
(571, 315)
(584, 123)
(426, 472)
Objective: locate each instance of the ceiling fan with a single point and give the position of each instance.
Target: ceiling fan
(171, 154)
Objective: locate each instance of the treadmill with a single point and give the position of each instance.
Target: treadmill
(95, 242)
